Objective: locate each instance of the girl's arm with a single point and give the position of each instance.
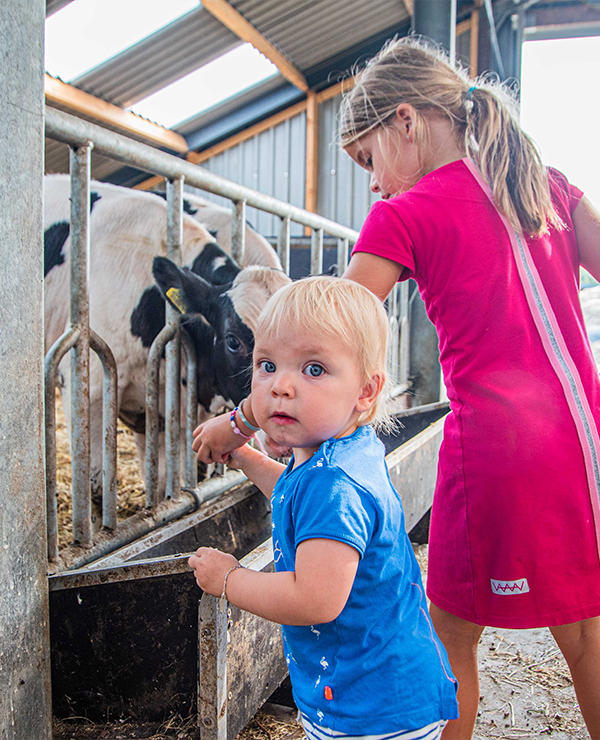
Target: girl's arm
(378, 274)
(586, 220)
(263, 471)
(314, 594)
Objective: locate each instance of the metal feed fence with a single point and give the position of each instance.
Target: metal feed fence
(82, 136)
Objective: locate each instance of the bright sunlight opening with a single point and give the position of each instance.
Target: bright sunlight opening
(560, 107)
(211, 84)
(86, 33)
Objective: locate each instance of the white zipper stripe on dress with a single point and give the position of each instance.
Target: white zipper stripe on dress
(558, 354)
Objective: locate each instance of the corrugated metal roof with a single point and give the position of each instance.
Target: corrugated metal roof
(310, 32)
(158, 60)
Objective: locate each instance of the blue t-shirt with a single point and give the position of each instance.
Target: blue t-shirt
(379, 667)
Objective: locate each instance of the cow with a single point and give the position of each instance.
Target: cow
(217, 220)
(219, 301)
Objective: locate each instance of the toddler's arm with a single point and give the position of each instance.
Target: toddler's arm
(586, 220)
(263, 471)
(314, 594)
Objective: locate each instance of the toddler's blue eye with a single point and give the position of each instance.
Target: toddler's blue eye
(314, 370)
(266, 366)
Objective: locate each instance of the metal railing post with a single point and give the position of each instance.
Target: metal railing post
(238, 232)
(283, 244)
(173, 349)
(342, 256)
(80, 354)
(316, 252)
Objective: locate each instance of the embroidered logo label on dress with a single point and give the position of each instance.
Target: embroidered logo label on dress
(509, 588)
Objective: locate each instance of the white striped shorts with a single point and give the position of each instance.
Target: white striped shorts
(430, 732)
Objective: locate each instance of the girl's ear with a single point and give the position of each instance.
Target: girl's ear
(371, 389)
(405, 118)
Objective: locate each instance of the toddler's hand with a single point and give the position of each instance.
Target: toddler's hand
(215, 439)
(210, 566)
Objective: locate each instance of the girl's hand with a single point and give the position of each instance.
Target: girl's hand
(210, 566)
(215, 440)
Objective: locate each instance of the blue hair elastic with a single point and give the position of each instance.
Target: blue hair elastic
(470, 92)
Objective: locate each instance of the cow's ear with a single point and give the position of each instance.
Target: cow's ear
(215, 266)
(185, 291)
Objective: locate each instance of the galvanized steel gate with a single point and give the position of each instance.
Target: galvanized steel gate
(90, 563)
(81, 136)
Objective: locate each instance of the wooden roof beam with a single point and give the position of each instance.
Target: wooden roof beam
(243, 29)
(74, 100)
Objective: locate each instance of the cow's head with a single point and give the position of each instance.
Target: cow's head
(220, 318)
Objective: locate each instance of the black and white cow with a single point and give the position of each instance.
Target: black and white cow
(219, 301)
(218, 221)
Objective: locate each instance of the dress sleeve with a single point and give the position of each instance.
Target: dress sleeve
(333, 507)
(569, 194)
(384, 234)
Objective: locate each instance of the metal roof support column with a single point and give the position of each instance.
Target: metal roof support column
(435, 19)
(25, 710)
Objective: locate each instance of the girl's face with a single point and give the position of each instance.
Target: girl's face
(307, 389)
(391, 156)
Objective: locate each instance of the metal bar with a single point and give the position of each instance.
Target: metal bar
(80, 355)
(404, 329)
(393, 347)
(191, 413)
(283, 244)
(25, 690)
(212, 665)
(213, 629)
(342, 256)
(316, 252)
(213, 497)
(109, 430)
(71, 130)
(137, 525)
(173, 348)
(238, 232)
(152, 413)
(55, 354)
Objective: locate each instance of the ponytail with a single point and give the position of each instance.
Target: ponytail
(508, 159)
(484, 114)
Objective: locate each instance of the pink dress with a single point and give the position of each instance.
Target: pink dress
(515, 526)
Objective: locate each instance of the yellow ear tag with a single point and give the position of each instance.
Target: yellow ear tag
(176, 296)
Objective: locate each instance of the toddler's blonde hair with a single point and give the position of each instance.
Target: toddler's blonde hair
(483, 112)
(330, 306)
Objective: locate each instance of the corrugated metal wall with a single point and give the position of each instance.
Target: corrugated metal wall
(344, 192)
(274, 162)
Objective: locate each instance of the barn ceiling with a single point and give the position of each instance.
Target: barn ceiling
(319, 38)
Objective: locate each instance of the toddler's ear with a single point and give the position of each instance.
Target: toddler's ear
(370, 391)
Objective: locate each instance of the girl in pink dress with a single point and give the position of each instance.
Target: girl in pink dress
(494, 242)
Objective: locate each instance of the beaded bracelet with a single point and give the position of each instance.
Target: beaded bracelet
(243, 418)
(234, 426)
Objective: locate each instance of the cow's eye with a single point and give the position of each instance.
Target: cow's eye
(233, 343)
(314, 370)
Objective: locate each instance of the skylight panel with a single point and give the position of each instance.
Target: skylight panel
(212, 83)
(85, 33)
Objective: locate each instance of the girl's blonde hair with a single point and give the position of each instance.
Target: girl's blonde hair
(483, 111)
(330, 306)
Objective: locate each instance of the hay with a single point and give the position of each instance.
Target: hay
(131, 496)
